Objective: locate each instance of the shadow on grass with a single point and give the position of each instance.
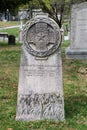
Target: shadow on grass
(5, 44)
(76, 105)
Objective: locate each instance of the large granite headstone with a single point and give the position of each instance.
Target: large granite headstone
(40, 90)
(78, 45)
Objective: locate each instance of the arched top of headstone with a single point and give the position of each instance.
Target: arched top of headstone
(78, 32)
(41, 36)
(80, 6)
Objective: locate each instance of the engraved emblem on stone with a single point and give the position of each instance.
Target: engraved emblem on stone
(42, 39)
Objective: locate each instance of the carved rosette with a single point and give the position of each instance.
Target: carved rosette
(41, 36)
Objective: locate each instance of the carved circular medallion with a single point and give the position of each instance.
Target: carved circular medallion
(41, 36)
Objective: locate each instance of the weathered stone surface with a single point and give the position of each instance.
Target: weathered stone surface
(78, 45)
(41, 36)
(20, 36)
(40, 90)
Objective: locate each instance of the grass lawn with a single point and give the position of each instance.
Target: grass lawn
(8, 24)
(75, 92)
(13, 31)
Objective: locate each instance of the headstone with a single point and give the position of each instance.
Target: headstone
(22, 14)
(11, 40)
(36, 12)
(40, 90)
(20, 35)
(78, 45)
(7, 15)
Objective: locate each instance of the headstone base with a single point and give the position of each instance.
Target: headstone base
(52, 110)
(76, 54)
(40, 91)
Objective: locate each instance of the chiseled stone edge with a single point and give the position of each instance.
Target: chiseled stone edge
(76, 54)
(53, 24)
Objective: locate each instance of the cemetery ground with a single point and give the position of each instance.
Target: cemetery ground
(11, 31)
(75, 92)
(8, 24)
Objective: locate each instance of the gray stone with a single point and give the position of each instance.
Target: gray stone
(40, 90)
(62, 34)
(78, 45)
(20, 35)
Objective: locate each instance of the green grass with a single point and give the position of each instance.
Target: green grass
(66, 26)
(11, 31)
(75, 92)
(8, 24)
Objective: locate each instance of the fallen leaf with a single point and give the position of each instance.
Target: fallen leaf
(10, 129)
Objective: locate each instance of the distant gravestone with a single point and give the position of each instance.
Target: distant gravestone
(78, 45)
(40, 90)
(11, 40)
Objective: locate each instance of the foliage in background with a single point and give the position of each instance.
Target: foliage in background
(12, 5)
(50, 6)
(32, 4)
(58, 7)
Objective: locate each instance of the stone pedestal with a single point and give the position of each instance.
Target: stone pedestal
(40, 90)
(78, 39)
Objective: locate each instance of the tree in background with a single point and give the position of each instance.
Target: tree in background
(11, 5)
(55, 8)
(58, 8)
